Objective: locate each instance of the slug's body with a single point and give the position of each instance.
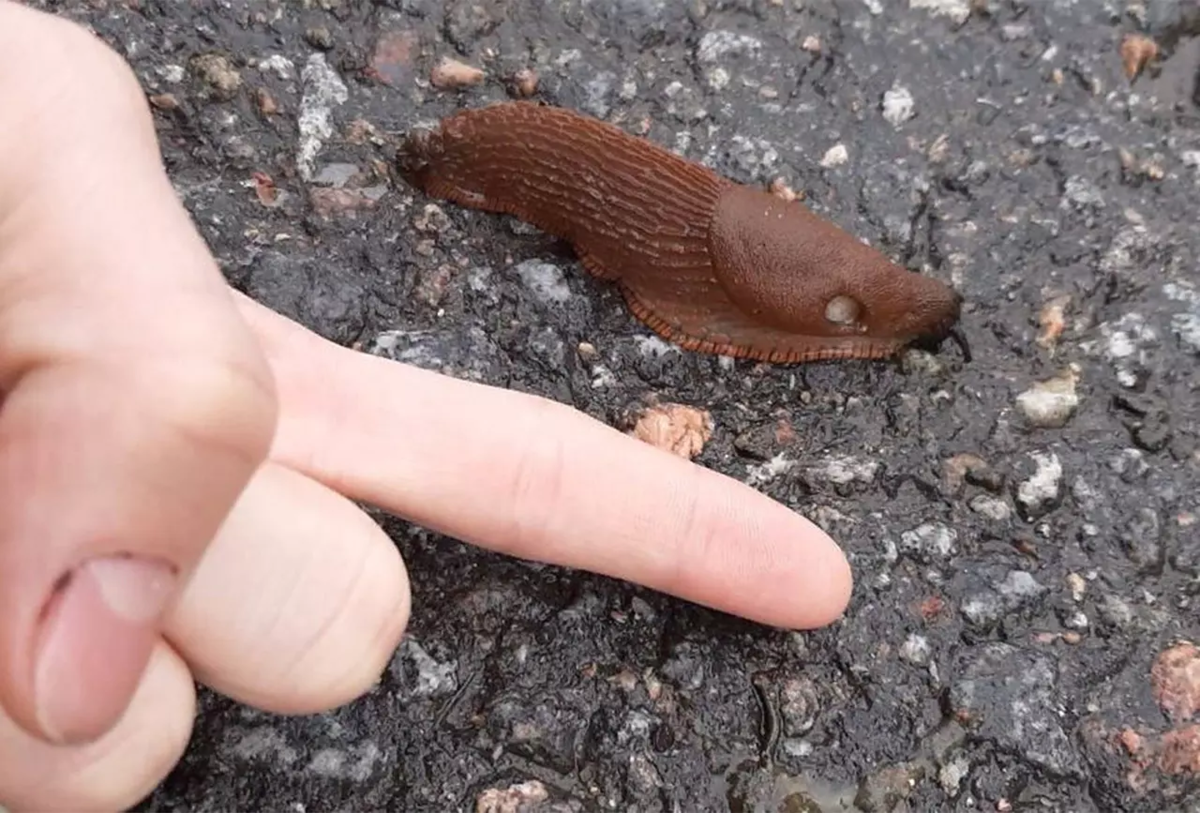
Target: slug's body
(708, 263)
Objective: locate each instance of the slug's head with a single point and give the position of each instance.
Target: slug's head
(800, 274)
(878, 300)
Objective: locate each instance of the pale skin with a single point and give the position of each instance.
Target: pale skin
(178, 465)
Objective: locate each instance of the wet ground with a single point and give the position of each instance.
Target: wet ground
(1023, 528)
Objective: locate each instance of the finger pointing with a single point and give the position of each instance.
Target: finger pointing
(537, 479)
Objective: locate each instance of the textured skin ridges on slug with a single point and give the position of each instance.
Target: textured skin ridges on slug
(712, 265)
(622, 202)
(634, 212)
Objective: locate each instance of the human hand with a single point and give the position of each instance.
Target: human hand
(148, 412)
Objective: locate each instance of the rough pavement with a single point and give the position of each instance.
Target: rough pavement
(1023, 528)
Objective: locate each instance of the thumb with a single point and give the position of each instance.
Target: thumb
(135, 406)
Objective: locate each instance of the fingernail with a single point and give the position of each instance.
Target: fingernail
(98, 630)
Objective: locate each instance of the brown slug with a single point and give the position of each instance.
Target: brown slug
(710, 264)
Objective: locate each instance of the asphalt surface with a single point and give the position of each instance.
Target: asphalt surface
(1023, 528)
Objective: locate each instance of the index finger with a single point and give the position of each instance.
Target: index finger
(533, 478)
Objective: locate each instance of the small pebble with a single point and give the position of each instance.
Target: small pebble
(643, 776)
(835, 156)
(172, 74)
(915, 650)
(675, 428)
(338, 175)
(420, 674)
(1136, 52)
(450, 74)
(1150, 168)
(1050, 404)
(1130, 464)
(1117, 611)
(983, 609)
(939, 149)
(798, 748)
(718, 78)
(432, 219)
(361, 131)
(991, 507)
(1015, 31)
(898, 106)
(545, 280)
(715, 46)
(959, 11)
(844, 469)
(1040, 491)
(932, 540)
(953, 772)
(799, 705)
(266, 102)
(319, 37)
(513, 799)
(279, 65)
(329, 201)
(1052, 320)
(218, 74)
(265, 190)
(1077, 585)
(1077, 621)
(393, 57)
(969, 468)
(1179, 751)
(164, 101)
(524, 83)
(624, 680)
(323, 91)
(1019, 586)
(431, 284)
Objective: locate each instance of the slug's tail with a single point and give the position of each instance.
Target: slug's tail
(624, 203)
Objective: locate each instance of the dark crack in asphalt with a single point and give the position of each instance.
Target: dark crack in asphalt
(1023, 528)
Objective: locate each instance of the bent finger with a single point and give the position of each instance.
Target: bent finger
(299, 602)
(115, 771)
(536, 479)
(136, 404)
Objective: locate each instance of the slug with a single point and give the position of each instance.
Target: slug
(712, 265)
